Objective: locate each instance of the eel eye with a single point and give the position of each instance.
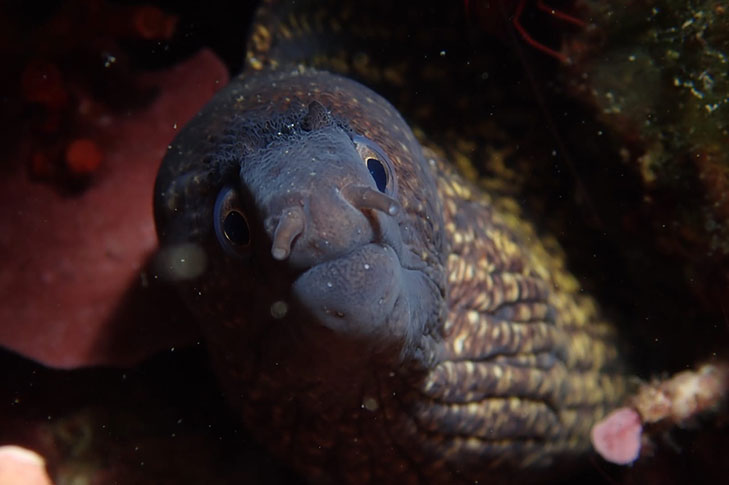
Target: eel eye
(231, 224)
(377, 170)
(235, 228)
(378, 164)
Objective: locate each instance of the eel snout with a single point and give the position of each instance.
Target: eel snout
(292, 222)
(323, 222)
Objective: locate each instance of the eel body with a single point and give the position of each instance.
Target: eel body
(372, 316)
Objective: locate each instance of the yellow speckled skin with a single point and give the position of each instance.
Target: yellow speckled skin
(499, 374)
(527, 356)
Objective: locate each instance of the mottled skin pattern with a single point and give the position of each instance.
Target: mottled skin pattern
(443, 343)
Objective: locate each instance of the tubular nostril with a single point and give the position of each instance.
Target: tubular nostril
(289, 226)
(363, 197)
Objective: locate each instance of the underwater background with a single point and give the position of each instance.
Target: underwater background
(609, 125)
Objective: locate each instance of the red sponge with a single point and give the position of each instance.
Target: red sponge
(72, 265)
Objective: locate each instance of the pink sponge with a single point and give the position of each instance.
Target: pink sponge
(19, 465)
(617, 437)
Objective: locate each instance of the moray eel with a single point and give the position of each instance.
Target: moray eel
(372, 316)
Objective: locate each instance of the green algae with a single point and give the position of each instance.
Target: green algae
(658, 73)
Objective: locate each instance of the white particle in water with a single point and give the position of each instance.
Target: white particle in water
(279, 309)
(370, 403)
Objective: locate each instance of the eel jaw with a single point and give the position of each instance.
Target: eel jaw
(355, 295)
(368, 297)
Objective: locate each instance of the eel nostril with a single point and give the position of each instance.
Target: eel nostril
(363, 197)
(290, 225)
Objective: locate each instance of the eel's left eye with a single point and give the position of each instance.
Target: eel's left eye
(378, 164)
(231, 224)
(377, 170)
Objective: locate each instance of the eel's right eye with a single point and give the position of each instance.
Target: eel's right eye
(231, 224)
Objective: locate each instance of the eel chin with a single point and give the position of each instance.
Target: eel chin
(359, 295)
